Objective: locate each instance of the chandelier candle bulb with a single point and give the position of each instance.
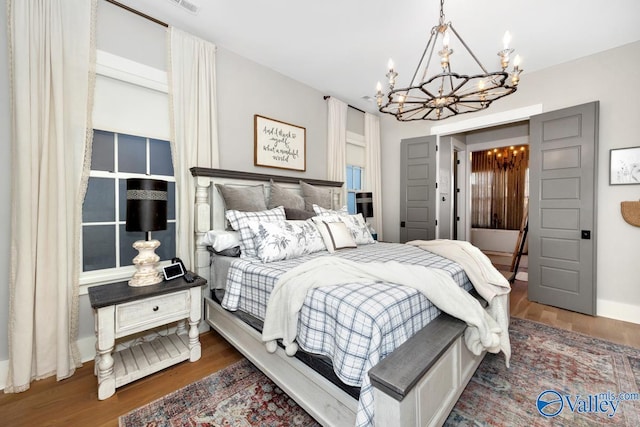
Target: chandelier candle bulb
(506, 39)
(516, 62)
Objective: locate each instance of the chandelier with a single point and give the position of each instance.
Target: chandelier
(507, 158)
(447, 94)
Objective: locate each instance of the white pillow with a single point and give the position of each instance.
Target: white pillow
(221, 239)
(320, 211)
(280, 240)
(355, 224)
(238, 221)
(335, 234)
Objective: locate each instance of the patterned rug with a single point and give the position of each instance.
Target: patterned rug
(573, 379)
(237, 396)
(556, 378)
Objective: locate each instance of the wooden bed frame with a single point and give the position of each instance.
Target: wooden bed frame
(417, 385)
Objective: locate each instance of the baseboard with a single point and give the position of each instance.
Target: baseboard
(619, 311)
(4, 371)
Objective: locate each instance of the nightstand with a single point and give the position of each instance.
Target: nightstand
(121, 310)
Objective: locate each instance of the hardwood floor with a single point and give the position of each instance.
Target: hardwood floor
(74, 401)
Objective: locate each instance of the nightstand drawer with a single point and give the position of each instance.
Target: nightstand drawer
(149, 312)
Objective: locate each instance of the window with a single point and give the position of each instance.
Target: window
(354, 184)
(355, 157)
(106, 245)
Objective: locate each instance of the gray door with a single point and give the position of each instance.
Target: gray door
(562, 208)
(418, 189)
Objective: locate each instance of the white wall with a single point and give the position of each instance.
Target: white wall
(565, 85)
(246, 88)
(494, 240)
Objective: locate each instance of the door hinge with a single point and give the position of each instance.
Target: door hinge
(457, 190)
(436, 185)
(436, 148)
(457, 162)
(436, 222)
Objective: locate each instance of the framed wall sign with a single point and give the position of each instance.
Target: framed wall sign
(624, 166)
(278, 144)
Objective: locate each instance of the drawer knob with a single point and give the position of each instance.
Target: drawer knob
(155, 308)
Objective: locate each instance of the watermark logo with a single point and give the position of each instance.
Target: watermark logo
(551, 403)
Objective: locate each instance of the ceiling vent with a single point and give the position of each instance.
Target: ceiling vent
(191, 6)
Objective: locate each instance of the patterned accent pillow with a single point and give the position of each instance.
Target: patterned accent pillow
(355, 224)
(238, 221)
(320, 211)
(275, 241)
(335, 234)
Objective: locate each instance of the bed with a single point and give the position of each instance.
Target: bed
(413, 383)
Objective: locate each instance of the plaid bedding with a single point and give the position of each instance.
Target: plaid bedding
(356, 325)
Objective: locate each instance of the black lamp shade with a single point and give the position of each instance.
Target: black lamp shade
(146, 204)
(364, 204)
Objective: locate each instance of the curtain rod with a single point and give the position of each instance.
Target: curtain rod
(350, 106)
(136, 12)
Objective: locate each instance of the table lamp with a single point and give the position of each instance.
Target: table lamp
(364, 206)
(146, 211)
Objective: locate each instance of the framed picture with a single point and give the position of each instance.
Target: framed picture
(624, 166)
(279, 144)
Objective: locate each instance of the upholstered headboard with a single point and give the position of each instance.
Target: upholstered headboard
(210, 208)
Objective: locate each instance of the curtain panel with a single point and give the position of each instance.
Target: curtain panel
(194, 125)
(337, 143)
(373, 168)
(498, 190)
(52, 72)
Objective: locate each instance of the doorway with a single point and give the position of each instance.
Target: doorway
(563, 150)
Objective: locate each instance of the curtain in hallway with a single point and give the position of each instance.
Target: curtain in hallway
(52, 73)
(194, 127)
(499, 187)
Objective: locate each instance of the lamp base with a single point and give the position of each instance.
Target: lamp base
(146, 262)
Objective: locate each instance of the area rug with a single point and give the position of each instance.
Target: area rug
(555, 378)
(237, 396)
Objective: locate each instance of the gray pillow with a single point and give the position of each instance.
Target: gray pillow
(246, 199)
(298, 214)
(315, 195)
(280, 196)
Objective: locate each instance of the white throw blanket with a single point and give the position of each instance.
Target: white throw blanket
(486, 279)
(289, 293)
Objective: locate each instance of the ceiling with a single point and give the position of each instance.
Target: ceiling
(341, 47)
